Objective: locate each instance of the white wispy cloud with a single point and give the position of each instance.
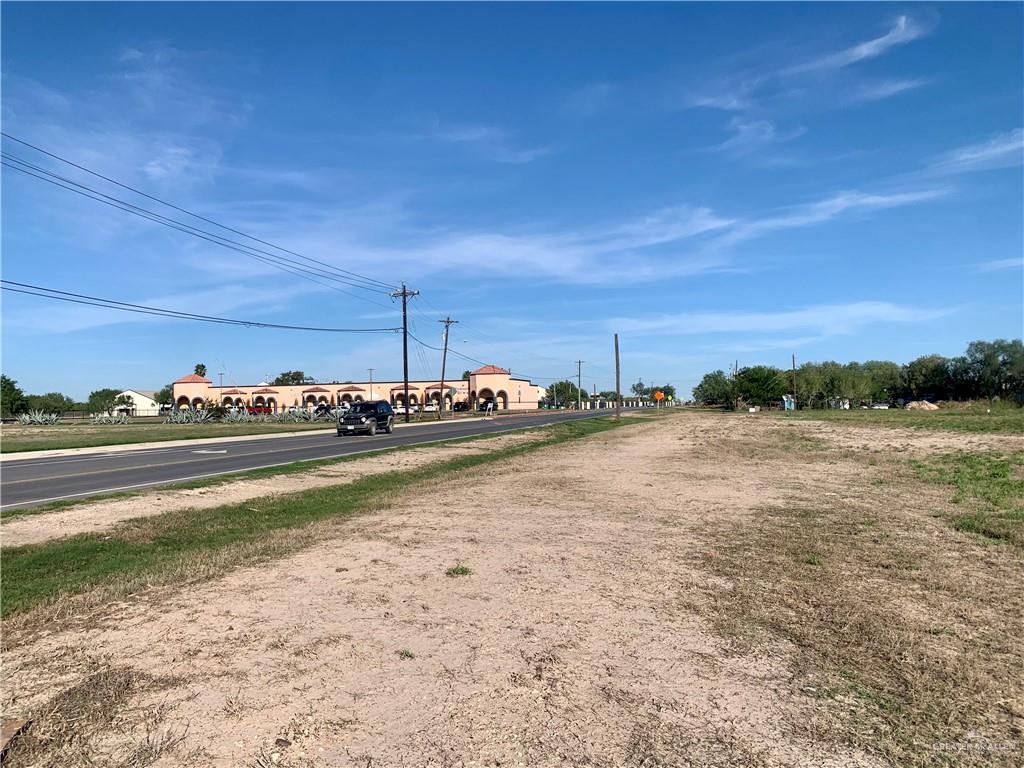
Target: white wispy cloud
(749, 136)
(997, 265)
(884, 89)
(903, 30)
(819, 212)
(822, 320)
(492, 140)
(1005, 150)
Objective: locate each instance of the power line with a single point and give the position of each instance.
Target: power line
(95, 301)
(73, 164)
(123, 205)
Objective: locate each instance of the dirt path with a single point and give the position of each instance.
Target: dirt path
(569, 642)
(93, 517)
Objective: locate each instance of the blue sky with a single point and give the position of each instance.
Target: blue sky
(714, 182)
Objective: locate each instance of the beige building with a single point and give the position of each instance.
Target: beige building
(143, 403)
(487, 384)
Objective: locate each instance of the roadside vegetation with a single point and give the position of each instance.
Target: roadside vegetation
(978, 417)
(988, 370)
(989, 492)
(190, 544)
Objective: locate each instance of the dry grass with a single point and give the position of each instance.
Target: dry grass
(68, 729)
(903, 634)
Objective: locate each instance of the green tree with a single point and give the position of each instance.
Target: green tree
(291, 378)
(667, 389)
(640, 389)
(201, 369)
(927, 377)
(12, 399)
(564, 392)
(607, 394)
(51, 402)
(760, 385)
(165, 395)
(102, 400)
(883, 380)
(466, 375)
(714, 389)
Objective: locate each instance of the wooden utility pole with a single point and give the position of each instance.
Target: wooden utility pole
(444, 359)
(794, 381)
(371, 382)
(579, 384)
(618, 382)
(404, 295)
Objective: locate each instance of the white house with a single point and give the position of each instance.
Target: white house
(143, 402)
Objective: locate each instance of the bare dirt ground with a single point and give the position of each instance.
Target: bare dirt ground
(92, 517)
(611, 616)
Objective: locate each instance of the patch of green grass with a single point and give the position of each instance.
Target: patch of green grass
(190, 544)
(247, 474)
(989, 486)
(813, 559)
(405, 653)
(458, 570)
(1003, 419)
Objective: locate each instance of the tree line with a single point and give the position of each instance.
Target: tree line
(990, 370)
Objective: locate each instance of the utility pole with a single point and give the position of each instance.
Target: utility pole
(579, 384)
(794, 381)
(371, 382)
(618, 382)
(554, 390)
(404, 294)
(444, 359)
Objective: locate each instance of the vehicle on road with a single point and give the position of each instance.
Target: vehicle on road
(460, 406)
(369, 417)
(430, 408)
(485, 405)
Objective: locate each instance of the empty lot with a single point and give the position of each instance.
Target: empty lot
(697, 589)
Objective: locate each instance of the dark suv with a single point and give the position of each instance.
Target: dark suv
(367, 417)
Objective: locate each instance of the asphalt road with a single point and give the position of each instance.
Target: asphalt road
(31, 482)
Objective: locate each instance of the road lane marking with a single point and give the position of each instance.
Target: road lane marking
(103, 491)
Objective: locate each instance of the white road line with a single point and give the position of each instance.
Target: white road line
(263, 466)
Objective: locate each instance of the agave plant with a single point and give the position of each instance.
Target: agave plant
(189, 417)
(107, 418)
(38, 418)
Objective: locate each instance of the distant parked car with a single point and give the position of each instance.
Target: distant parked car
(369, 417)
(483, 405)
(430, 408)
(460, 406)
(400, 410)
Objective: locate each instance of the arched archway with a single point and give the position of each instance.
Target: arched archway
(197, 403)
(502, 400)
(357, 399)
(239, 402)
(182, 403)
(346, 398)
(484, 396)
(310, 400)
(272, 404)
(323, 399)
(413, 400)
(472, 398)
(227, 401)
(259, 402)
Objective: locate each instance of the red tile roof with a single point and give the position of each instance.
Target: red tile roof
(315, 389)
(401, 387)
(193, 378)
(490, 369)
(232, 392)
(265, 391)
(352, 388)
